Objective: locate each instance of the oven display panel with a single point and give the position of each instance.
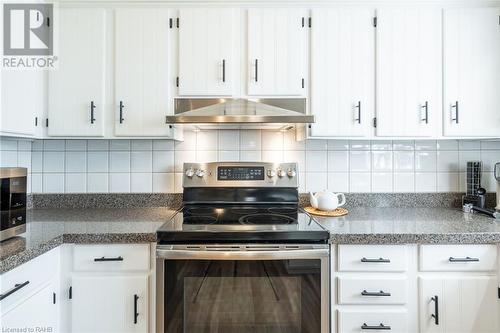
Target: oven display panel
(240, 173)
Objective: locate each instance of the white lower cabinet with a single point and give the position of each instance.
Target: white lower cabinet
(372, 320)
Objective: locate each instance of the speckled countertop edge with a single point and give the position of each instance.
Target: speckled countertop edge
(455, 238)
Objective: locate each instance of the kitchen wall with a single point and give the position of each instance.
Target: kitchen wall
(118, 166)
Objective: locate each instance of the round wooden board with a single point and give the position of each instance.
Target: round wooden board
(334, 213)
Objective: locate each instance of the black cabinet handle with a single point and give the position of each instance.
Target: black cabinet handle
(120, 258)
(17, 287)
(426, 107)
(374, 293)
(136, 314)
(379, 260)
(121, 112)
(435, 315)
(377, 327)
(92, 108)
(455, 106)
(358, 106)
(256, 70)
(466, 259)
(223, 70)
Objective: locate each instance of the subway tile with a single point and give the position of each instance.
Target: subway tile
(76, 145)
(316, 181)
(97, 183)
(425, 182)
(250, 140)
(316, 144)
(447, 145)
(488, 181)
(24, 160)
(189, 142)
(466, 156)
(229, 140)
(425, 161)
(119, 183)
(141, 182)
(119, 161)
(490, 158)
(272, 156)
(404, 161)
(447, 161)
(382, 182)
(163, 161)
(53, 161)
(178, 182)
(250, 156)
(404, 182)
(183, 156)
(8, 158)
(141, 161)
(425, 145)
(53, 182)
(403, 145)
(141, 144)
(338, 181)
(360, 182)
(163, 144)
(302, 182)
(205, 156)
(36, 183)
(206, 140)
(360, 161)
(338, 161)
(290, 142)
(53, 145)
(164, 182)
(119, 145)
(490, 144)
(338, 145)
(76, 161)
(447, 182)
(272, 140)
(8, 144)
(97, 161)
(469, 144)
(298, 156)
(75, 183)
(93, 145)
(360, 144)
(381, 161)
(316, 161)
(24, 145)
(36, 161)
(229, 156)
(381, 145)
(37, 145)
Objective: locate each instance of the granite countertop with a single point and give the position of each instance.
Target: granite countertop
(48, 228)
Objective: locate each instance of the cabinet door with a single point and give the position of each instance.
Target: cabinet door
(206, 51)
(276, 51)
(471, 72)
(408, 71)
(109, 303)
(37, 311)
(342, 71)
(22, 101)
(76, 88)
(464, 304)
(142, 88)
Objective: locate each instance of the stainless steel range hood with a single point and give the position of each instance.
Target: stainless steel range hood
(240, 113)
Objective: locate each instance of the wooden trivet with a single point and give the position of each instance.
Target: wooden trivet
(333, 213)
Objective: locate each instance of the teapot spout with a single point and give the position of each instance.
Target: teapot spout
(313, 200)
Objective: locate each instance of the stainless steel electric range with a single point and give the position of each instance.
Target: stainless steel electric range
(241, 256)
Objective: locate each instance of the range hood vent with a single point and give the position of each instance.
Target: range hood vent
(240, 113)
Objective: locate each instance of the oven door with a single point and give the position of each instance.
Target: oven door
(242, 288)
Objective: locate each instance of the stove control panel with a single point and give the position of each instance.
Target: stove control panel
(240, 174)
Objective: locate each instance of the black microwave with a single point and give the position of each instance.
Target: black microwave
(12, 202)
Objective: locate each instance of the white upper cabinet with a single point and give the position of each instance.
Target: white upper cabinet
(342, 72)
(22, 102)
(142, 85)
(206, 47)
(472, 72)
(77, 87)
(276, 51)
(409, 71)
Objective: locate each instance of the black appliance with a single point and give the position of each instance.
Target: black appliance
(241, 255)
(12, 202)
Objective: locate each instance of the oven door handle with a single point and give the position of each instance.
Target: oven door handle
(241, 255)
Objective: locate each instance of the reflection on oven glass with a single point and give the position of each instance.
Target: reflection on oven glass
(279, 296)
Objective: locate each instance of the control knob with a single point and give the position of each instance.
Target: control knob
(271, 173)
(291, 173)
(281, 173)
(200, 173)
(190, 173)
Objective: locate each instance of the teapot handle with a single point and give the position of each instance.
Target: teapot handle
(342, 200)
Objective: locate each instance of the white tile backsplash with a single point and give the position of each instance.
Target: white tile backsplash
(101, 166)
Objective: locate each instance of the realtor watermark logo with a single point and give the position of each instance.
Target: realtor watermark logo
(28, 36)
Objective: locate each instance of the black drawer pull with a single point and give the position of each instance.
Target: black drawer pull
(378, 327)
(120, 258)
(466, 259)
(92, 110)
(382, 260)
(374, 293)
(17, 287)
(435, 315)
(121, 112)
(136, 314)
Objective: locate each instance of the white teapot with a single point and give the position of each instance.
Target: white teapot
(326, 200)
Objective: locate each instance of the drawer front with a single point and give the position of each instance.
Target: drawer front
(372, 258)
(112, 257)
(372, 321)
(372, 291)
(464, 258)
(28, 278)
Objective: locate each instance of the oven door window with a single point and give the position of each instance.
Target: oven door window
(242, 296)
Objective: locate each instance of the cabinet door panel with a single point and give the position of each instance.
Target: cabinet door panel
(79, 79)
(472, 72)
(276, 51)
(142, 87)
(342, 72)
(105, 303)
(408, 71)
(465, 304)
(206, 51)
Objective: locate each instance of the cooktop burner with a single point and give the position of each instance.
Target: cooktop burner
(267, 218)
